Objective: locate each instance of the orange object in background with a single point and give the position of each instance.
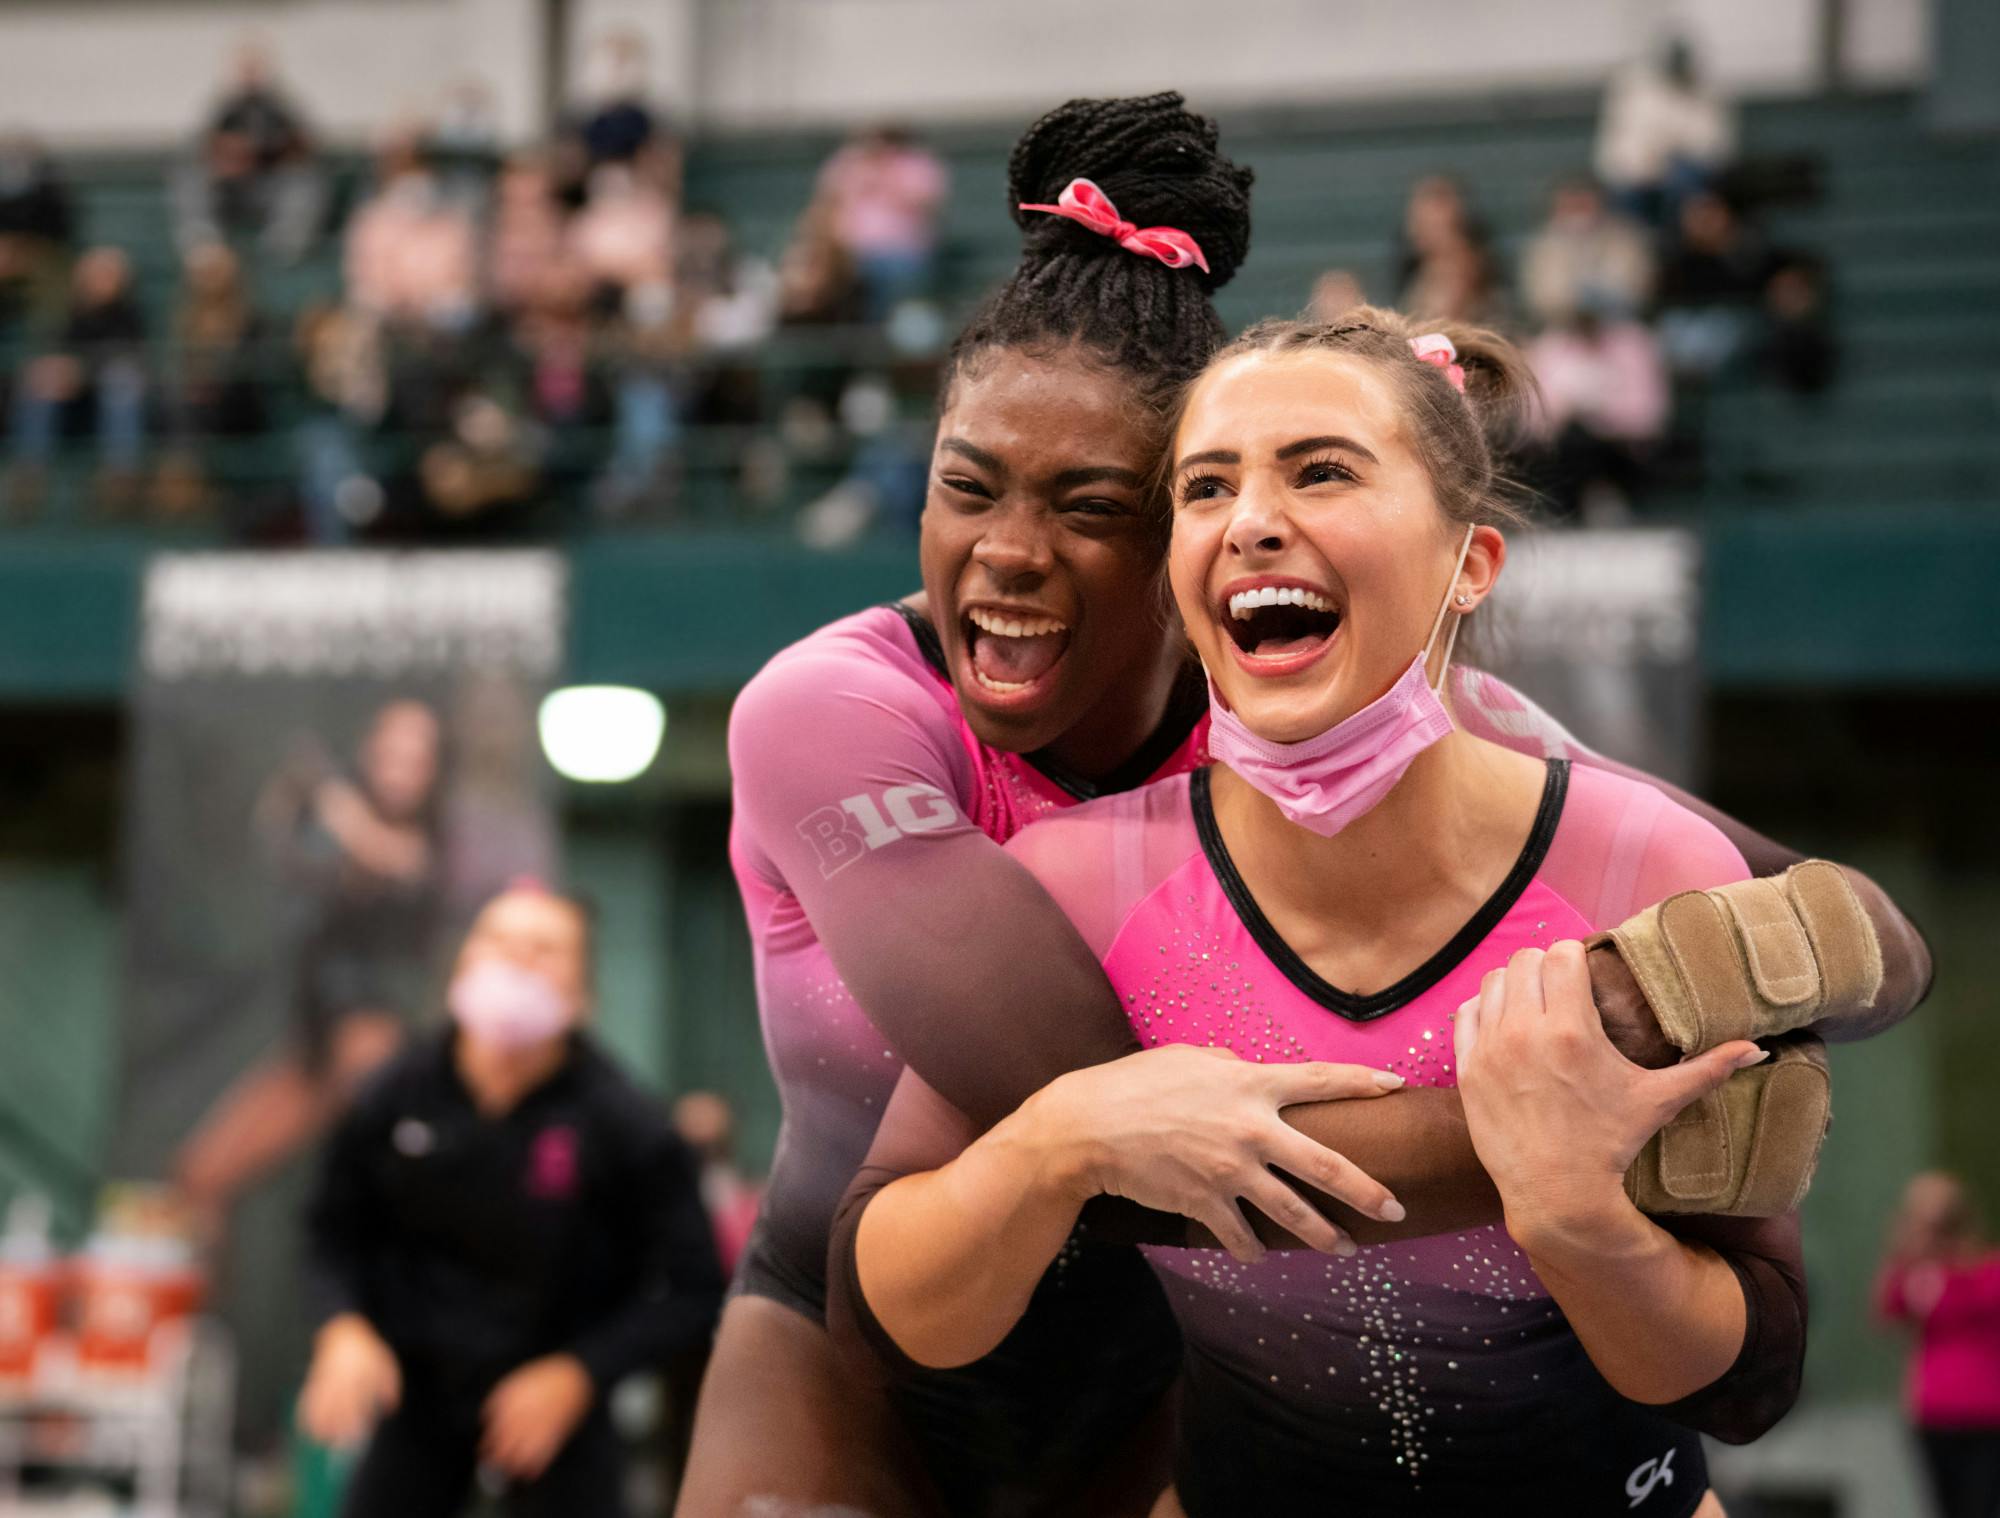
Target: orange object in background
(30, 1308)
(31, 1288)
(136, 1273)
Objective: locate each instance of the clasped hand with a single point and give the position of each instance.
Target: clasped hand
(1194, 1130)
(1556, 1113)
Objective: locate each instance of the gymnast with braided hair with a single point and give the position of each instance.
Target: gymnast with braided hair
(878, 767)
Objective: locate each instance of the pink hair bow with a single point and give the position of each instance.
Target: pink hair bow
(1082, 202)
(1436, 348)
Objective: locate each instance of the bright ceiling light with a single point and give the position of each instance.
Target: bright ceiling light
(601, 733)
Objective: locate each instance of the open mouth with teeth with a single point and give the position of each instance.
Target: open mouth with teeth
(1281, 621)
(1011, 653)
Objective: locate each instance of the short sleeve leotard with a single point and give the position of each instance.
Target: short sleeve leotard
(1431, 1376)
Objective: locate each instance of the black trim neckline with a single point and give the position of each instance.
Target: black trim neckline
(1361, 1009)
(1186, 706)
(928, 642)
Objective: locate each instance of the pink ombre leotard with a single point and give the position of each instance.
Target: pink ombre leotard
(888, 925)
(1420, 1377)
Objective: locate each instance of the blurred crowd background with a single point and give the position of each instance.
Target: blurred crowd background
(372, 376)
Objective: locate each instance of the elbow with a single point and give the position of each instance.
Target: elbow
(940, 1355)
(1740, 1409)
(1755, 1418)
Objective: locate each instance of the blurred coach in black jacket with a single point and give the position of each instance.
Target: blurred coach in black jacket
(505, 1226)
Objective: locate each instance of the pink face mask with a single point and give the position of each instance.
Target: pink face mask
(506, 1005)
(1324, 783)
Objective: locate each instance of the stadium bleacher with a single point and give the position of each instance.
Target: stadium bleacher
(1907, 223)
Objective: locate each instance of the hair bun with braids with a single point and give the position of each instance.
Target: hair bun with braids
(1073, 288)
(1156, 160)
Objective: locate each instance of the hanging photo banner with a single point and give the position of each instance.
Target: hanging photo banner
(1602, 627)
(333, 763)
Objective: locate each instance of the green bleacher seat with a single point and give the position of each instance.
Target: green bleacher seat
(1909, 226)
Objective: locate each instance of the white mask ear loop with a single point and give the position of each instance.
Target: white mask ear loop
(1443, 608)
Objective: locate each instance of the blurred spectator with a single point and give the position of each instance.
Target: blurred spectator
(347, 395)
(1797, 351)
(1586, 257)
(484, 473)
(818, 284)
(622, 239)
(1605, 402)
(1445, 265)
(94, 379)
(1458, 282)
(618, 125)
(643, 350)
(1661, 135)
(727, 300)
(1710, 286)
(1334, 294)
(556, 341)
(1941, 1280)
(219, 375)
(880, 195)
(505, 1228)
(412, 254)
(35, 228)
(707, 1125)
(566, 387)
(254, 171)
(360, 858)
(526, 246)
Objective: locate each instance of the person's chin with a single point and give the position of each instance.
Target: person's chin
(1288, 711)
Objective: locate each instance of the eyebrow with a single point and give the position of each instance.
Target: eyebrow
(1212, 456)
(1062, 480)
(964, 449)
(1317, 444)
(1289, 451)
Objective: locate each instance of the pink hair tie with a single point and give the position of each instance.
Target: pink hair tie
(1082, 202)
(1435, 348)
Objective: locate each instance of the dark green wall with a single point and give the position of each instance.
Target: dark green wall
(1855, 598)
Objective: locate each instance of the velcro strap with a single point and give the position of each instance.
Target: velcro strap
(1843, 939)
(1702, 944)
(1747, 1149)
(1695, 1153)
(1794, 1109)
(1781, 961)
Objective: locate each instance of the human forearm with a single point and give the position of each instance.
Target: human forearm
(1417, 1145)
(1660, 1318)
(947, 1259)
(1906, 958)
(1906, 969)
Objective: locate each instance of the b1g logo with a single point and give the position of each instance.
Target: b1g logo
(842, 834)
(1653, 1473)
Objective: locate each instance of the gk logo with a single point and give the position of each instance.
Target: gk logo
(1639, 1485)
(842, 834)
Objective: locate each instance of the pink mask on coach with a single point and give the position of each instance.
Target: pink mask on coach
(507, 1005)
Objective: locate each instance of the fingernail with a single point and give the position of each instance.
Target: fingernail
(1745, 1061)
(1387, 1081)
(1391, 1211)
(1344, 1247)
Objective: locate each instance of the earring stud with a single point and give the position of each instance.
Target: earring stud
(1465, 600)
